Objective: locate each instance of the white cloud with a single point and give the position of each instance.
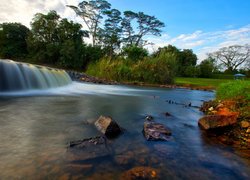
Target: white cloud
(204, 42)
(24, 10)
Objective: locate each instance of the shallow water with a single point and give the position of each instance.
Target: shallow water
(36, 126)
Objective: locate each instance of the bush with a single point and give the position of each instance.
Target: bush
(233, 90)
(159, 69)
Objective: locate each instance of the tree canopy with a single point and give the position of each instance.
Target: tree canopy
(232, 57)
(13, 40)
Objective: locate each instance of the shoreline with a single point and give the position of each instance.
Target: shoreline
(82, 77)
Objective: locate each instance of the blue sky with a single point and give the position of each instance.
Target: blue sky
(201, 25)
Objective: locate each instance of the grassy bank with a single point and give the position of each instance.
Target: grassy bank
(203, 82)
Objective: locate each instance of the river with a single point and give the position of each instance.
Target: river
(36, 127)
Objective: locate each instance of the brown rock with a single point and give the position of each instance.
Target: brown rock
(108, 127)
(155, 131)
(244, 124)
(140, 172)
(216, 121)
(248, 130)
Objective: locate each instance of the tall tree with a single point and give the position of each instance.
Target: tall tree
(56, 41)
(111, 33)
(146, 25)
(232, 57)
(13, 40)
(92, 13)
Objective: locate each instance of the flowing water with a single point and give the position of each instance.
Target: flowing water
(42, 110)
(36, 126)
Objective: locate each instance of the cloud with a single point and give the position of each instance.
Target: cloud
(204, 42)
(24, 10)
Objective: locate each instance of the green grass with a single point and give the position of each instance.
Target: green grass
(234, 90)
(201, 82)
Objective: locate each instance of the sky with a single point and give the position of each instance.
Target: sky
(201, 25)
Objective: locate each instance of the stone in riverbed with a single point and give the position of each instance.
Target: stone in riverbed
(87, 142)
(244, 124)
(217, 121)
(155, 131)
(108, 127)
(140, 172)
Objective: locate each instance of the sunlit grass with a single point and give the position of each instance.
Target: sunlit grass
(196, 82)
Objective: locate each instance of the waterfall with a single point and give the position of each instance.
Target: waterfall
(16, 76)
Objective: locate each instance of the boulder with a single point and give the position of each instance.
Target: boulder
(216, 121)
(155, 131)
(108, 127)
(140, 172)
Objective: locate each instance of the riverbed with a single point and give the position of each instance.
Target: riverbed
(36, 127)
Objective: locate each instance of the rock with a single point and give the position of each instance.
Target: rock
(149, 118)
(217, 121)
(140, 172)
(89, 150)
(248, 130)
(155, 131)
(87, 142)
(244, 124)
(108, 127)
(167, 114)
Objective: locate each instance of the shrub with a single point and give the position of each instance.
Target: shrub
(159, 69)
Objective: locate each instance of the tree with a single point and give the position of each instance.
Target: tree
(56, 41)
(186, 59)
(111, 34)
(232, 57)
(146, 25)
(207, 68)
(13, 40)
(135, 53)
(92, 13)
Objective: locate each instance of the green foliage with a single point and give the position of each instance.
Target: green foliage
(185, 60)
(56, 41)
(206, 68)
(92, 13)
(134, 53)
(145, 25)
(13, 40)
(110, 36)
(160, 69)
(191, 71)
(233, 90)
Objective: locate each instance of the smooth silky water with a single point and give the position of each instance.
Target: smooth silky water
(35, 131)
(36, 126)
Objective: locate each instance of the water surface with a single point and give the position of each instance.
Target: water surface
(36, 126)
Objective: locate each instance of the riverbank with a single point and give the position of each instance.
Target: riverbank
(227, 118)
(82, 77)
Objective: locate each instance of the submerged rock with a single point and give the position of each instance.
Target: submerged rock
(167, 114)
(140, 172)
(216, 121)
(155, 131)
(149, 118)
(108, 127)
(87, 142)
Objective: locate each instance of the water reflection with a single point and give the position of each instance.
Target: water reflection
(35, 130)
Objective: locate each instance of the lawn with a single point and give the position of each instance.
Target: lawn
(201, 82)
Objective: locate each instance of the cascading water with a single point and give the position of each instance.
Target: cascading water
(15, 76)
